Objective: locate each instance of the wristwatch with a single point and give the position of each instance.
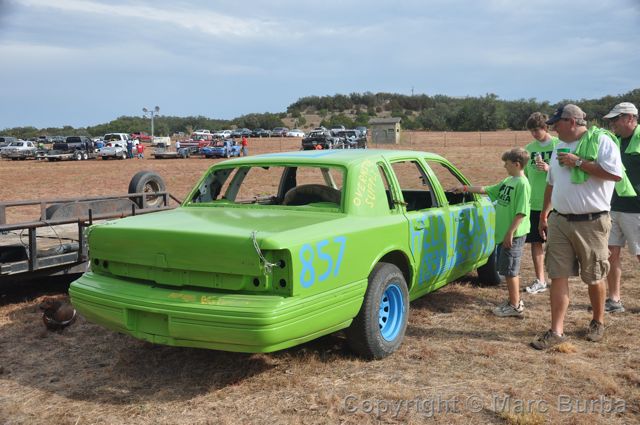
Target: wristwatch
(579, 162)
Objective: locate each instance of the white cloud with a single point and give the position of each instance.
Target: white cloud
(189, 18)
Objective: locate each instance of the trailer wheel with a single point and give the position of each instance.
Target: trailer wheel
(85, 156)
(78, 156)
(147, 182)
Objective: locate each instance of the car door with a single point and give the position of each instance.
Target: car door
(469, 217)
(428, 227)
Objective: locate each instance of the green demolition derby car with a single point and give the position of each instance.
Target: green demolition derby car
(270, 251)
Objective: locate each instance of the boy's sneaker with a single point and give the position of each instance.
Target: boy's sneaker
(547, 340)
(611, 306)
(595, 332)
(536, 287)
(507, 310)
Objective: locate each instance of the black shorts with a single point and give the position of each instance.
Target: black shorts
(534, 234)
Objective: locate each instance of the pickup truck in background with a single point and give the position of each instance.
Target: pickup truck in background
(74, 147)
(116, 145)
(141, 137)
(20, 149)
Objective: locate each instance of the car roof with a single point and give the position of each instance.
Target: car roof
(343, 157)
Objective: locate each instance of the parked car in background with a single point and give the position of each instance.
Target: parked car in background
(261, 132)
(5, 140)
(141, 136)
(239, 132)
(363, 130)
(222, 134)
(296, 132)
(336, 128)
(319, 139)
(20, 149)
(279, 132)
(221, 149)
(351, 139)
(308, 245)
(43, 139)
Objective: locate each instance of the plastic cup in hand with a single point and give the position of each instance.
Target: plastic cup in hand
(561, 150)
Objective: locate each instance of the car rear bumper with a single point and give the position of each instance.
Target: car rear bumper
(213, 320)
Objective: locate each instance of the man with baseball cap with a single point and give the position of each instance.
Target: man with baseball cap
(583, 170)
(625, 210)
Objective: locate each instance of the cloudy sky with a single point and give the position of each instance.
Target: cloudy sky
(80, 63)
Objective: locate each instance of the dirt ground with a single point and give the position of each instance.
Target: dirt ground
(458, 364)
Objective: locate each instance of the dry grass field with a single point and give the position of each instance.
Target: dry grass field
(458, 365)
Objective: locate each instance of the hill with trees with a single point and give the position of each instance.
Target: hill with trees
(418, 112)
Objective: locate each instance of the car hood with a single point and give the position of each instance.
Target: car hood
(206, 239)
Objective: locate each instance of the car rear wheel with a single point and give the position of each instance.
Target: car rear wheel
(488, 274)
(123, 155)
(379, 328)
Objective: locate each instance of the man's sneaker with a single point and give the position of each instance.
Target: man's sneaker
(536, 287)
(547, 340)
(611, 306)
(507, 310)
(595, 332)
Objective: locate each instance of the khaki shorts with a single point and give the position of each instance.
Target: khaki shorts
(578, 243)
(625, 228)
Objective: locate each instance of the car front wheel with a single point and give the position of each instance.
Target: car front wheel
(379, 328)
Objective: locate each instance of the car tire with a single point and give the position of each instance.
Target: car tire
(147, 182)
(85, 156)
(78, 156)
(378, 329)
(123, 155)
(488, 274)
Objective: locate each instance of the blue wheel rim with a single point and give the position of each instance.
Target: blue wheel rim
(391, 312)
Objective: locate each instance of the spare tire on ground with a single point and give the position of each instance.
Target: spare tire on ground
(147, 182)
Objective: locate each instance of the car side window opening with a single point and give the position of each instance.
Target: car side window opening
(449, 178)
(416, 188)
(387, 187)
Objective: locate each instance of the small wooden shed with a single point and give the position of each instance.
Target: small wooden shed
(385, 130)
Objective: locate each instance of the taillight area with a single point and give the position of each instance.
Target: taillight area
(279, 280)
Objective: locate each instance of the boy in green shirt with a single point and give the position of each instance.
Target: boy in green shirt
(512, 201)
(540, 151)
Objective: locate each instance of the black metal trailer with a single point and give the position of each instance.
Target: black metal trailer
(55, 243)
